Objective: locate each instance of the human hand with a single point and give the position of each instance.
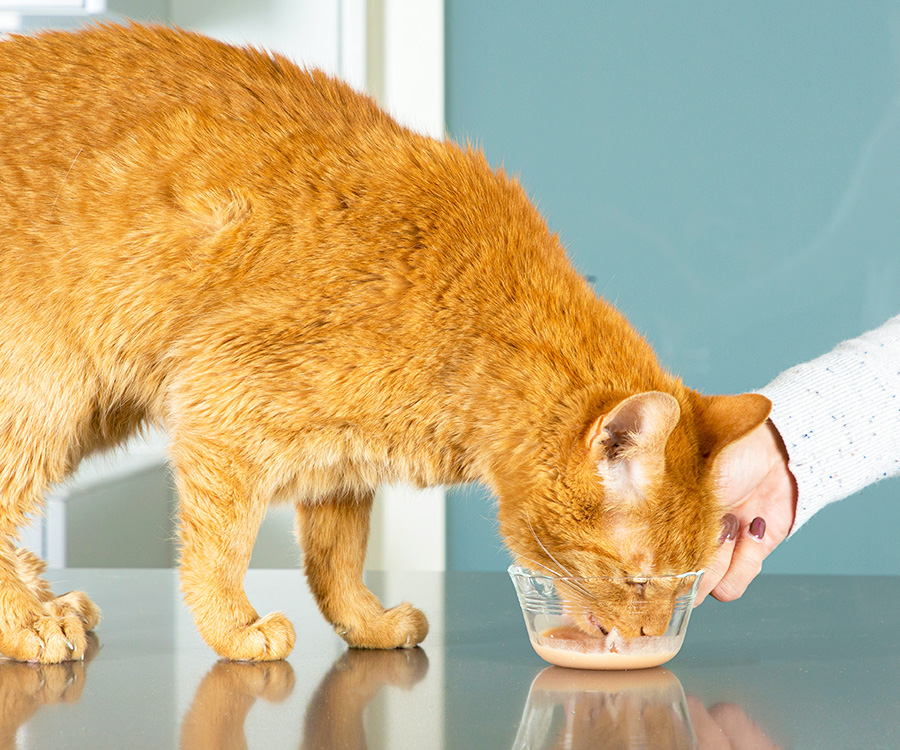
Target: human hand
(760, 495)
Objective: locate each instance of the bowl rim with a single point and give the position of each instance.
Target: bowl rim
(517, 570)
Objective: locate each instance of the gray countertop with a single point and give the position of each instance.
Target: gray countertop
(799, 662)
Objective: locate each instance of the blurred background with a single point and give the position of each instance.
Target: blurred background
(727, 174)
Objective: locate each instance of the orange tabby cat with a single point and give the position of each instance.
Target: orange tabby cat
(311, 300)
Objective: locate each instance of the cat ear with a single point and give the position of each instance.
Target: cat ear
(724, 419)
(628, 443)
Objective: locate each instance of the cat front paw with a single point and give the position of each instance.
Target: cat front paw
(402, 626)
(269, 638)
(57, 632)
(75, 604)
(48, 640)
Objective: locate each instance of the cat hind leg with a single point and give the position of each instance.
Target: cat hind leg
(333, 534)
(219, 520)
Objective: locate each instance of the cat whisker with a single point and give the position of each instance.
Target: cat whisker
(567, 574)
(66, 178)
(549, 554)
(574, 586)
(545, 567)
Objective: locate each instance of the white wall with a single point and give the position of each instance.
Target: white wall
(406, 74)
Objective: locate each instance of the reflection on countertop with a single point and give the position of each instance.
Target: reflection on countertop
(569, 708)
(333, 717)
(566, 708)
(26, 687)
(637, 710)
(774, 670)
(225, 696)
(726, 725)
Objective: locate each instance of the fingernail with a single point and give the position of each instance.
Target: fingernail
(758, 527)
(730, 526)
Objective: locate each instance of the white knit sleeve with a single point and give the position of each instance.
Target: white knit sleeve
(839, 417)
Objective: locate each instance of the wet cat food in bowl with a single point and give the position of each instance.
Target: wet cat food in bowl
(606, 623)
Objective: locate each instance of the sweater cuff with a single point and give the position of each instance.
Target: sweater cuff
(839, 417)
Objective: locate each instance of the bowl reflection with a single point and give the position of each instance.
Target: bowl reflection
(579, 709)
(584, 709)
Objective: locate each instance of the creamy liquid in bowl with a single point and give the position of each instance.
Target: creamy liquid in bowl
(569, 647)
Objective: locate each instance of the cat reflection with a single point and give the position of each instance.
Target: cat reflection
(25, 687)
(215, 720)
(334, 715)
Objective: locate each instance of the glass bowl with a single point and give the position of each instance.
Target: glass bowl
(553, 629)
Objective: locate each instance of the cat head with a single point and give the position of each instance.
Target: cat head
(632, 497)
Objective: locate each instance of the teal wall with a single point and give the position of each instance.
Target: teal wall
(729, 174)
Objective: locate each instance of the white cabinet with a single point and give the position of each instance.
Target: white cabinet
(53, 7)
(12, 12)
